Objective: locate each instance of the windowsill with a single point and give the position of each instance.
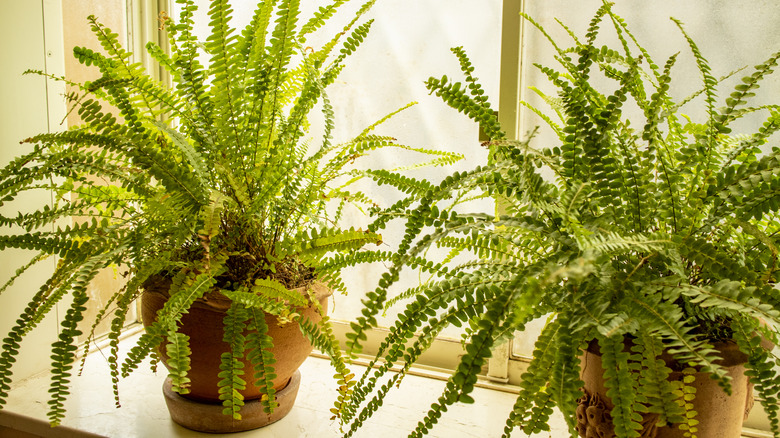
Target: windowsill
(144, 414)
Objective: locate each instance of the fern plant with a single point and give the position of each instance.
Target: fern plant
(638, 224)
(213, 182)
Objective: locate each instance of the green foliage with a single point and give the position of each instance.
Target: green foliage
(643, 230)
(213, 183)
(63, 356)
(178, 351)
(762, 369)
(534, 403)
(261, 358)
(322, 337)
(660, 395)
(230, 365)
(621, 388)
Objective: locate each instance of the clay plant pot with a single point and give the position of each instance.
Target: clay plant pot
(201, 409)
(719, 415)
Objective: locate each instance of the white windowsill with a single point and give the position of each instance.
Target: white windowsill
(143, 412)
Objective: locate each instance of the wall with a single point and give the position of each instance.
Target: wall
(30, 38)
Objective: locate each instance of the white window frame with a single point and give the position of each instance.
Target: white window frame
(144, 25)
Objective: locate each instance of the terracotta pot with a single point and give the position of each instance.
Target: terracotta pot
(203, 324)
(719, 415)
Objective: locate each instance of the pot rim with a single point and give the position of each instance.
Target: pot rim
(215, 300)
(728, 352)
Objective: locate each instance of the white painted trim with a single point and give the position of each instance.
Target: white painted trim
(511, 75)
(56, 107)
(754, 433)
(444, 353)
(54, 44)
(143, 25)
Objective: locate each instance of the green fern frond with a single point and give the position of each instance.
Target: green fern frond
(331, 240)
(231, 365)
(211, 216)
(689, 395)
(565, 384)
(275, 290)
(476, 109)
(193, 287)
(123, 304)
(706, 255)
(659, 394)
(554, 103)
(612, 242)
(63, 357)
(26, 322)
(281, 49)
(322, 337)
(225, 88)
(475, 89)
(432, 300)
(141, 350)
(350, 45)
(385, 118)
(33, 261)
(258, 345)
(714, 125)
(405, 184)
(186, 288)
(731, 295)
(621, 386)
(561, 55)
(178, 350)
(761, 370)
(320, 17)
(747, 88)
(192, 156)
(534, 403)
(394, 347)
(259, 300)
(750, 146)
(666, 320)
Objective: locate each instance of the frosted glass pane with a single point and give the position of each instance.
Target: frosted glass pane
(410, 42)
(731, 35)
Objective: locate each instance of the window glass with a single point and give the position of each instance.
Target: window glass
(408, 43)
(730, 35)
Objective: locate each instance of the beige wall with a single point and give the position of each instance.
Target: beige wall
(40, 34)
(28, 105)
